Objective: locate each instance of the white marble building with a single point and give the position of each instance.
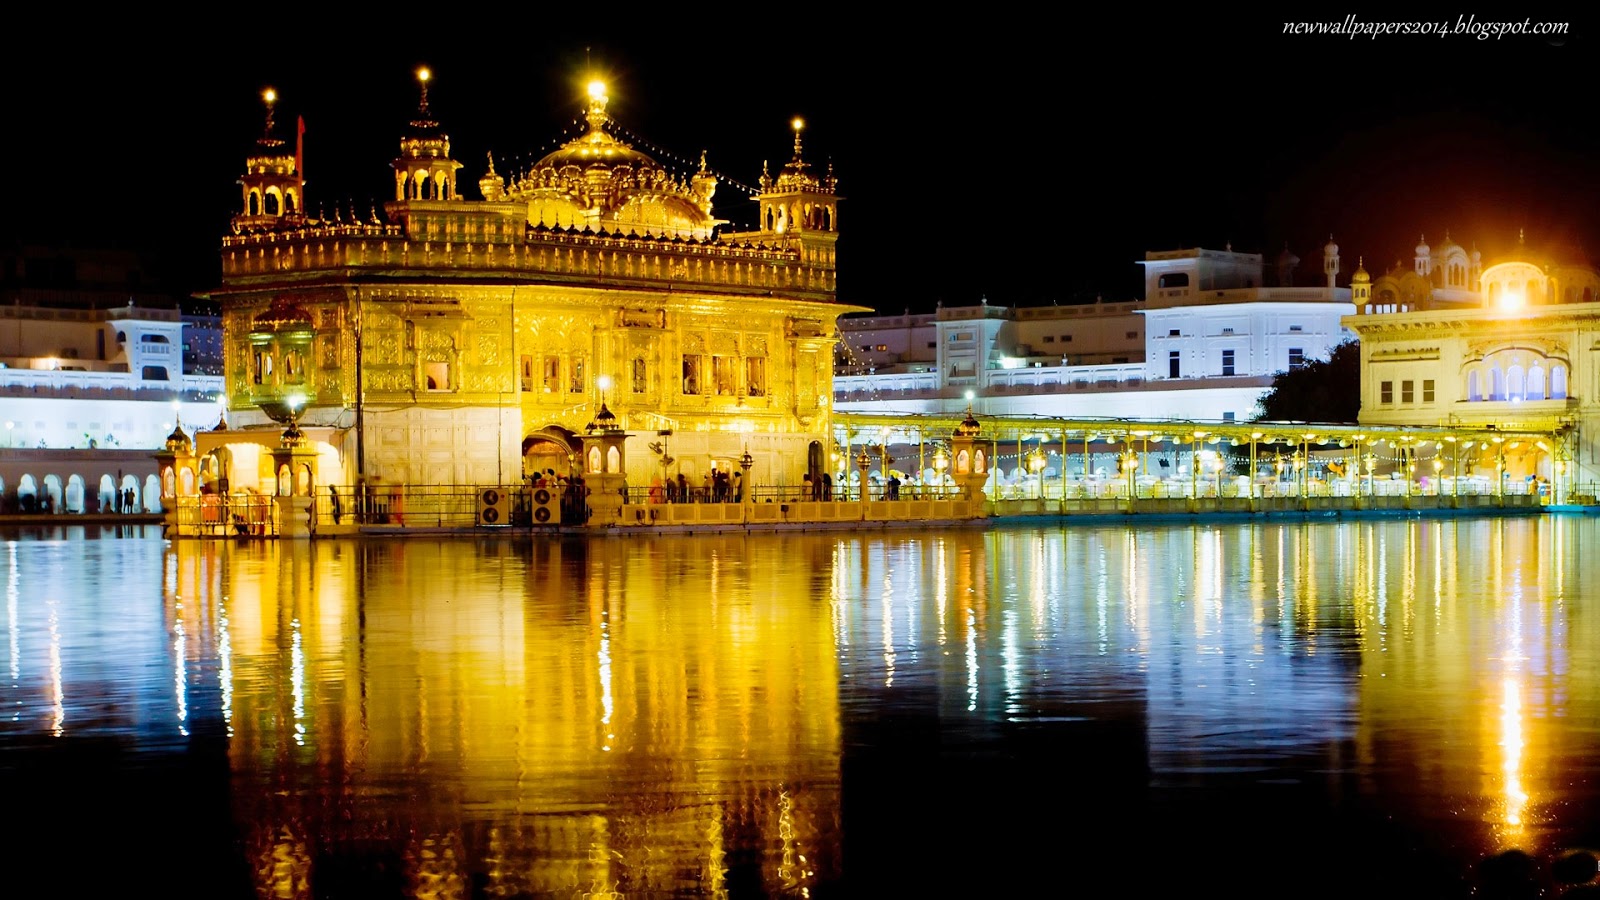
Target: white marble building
(1203, 345)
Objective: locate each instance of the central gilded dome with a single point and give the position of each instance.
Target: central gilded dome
(600, 182)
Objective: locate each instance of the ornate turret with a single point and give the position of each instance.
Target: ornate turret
(796, 200)
(424, 169)
(1360, 286)
(1330, 261)
(1423, 260)
(273, 191)
(178, 442)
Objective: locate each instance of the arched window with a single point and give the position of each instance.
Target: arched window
(253, 205)
(1497, 383)
(594, 460)
(152, 494)
(963, 463)
(1514, 383)
(978, 462)
(1534, 390)
(1558, 382)
(613, 460)
(271, 204)
(1474, 390)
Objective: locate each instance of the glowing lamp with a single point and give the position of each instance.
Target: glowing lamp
(423, 74)
(597, 90)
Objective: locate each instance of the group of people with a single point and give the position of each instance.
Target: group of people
(819, 488)
(718, 486)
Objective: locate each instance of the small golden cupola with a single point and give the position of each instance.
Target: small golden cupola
(797, 200)
(492, 184)
(272, 195)
(178, 441)
(1360, 285)
(424, 169)
(599, 182)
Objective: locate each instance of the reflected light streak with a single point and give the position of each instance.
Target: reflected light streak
(225, 664)
(1512, 744)
(841, 635)
(972, 661)
(1102, 597)
(57, 695)
(297, 680)
(11, 629)
(179, 678)
(1130, 579)
(607, 699)
(888, 627)
(1011, 661)
(941, 597)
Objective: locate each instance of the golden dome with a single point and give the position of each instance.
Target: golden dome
(178, 441)
(598, 146)
(1360, 276)
(601, 182)
(969, 426)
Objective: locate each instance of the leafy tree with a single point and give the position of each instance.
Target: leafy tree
(1320, 391)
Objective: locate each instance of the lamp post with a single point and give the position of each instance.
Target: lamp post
(1438, 466)
(1372, 463)
(941, 461)
(863, 463)
(1036, 466)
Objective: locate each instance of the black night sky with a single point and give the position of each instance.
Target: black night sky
(1026, 158)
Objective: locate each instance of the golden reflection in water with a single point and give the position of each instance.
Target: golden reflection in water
(466, 707)
(58, 695)
(1511, 750)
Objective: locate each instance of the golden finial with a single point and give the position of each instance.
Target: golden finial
(270, 97)
(491, 163)
(596, 116)
(798, 125)
(702, 160)
(423, 76)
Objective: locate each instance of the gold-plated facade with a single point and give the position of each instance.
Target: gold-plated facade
(445, 340)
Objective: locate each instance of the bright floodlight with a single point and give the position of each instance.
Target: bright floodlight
(270, 95)
(969, 395)
(798, 123)
(597, 89)
(604, 381)
(423, 74)
(1511, 300)
(296, 401)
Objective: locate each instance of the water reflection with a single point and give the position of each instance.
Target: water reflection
(790, 714)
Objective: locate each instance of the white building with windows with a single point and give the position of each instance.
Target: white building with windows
(1204, 344)
(90, 355)
(1503, 345)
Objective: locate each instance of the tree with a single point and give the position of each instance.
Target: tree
(1320, 391)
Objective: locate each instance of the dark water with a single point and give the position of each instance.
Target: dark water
(1371, 709)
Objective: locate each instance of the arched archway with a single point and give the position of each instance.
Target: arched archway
(50, 498)
(152, 494)
(73, 498)
(130, 492)
(27, 494)
(550, 452)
